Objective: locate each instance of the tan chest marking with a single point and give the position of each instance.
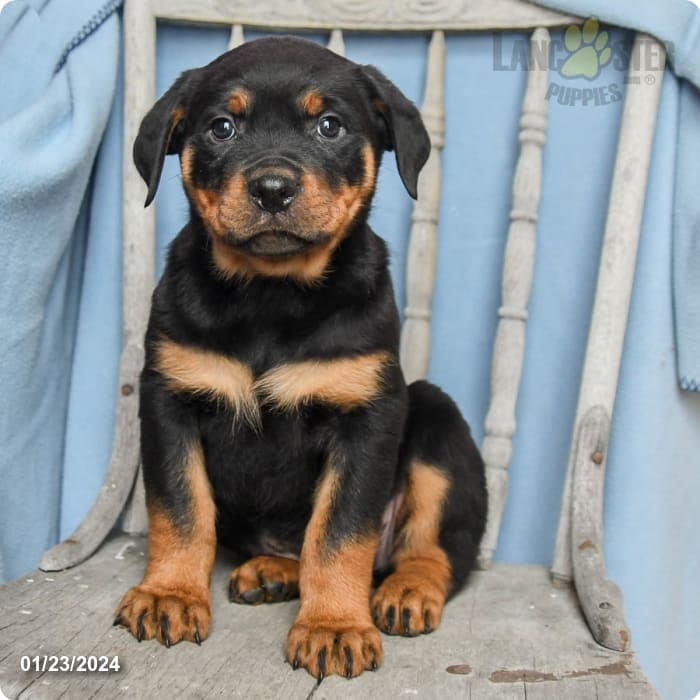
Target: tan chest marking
(345, 383)
(210, 374)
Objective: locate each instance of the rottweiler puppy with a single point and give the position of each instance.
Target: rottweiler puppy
(275, 418)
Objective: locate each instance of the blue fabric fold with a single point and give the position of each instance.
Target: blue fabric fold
(686, 240)
(51, 123)
(677, 25)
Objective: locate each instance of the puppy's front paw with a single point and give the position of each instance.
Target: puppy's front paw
(327, 647)
(169, 615)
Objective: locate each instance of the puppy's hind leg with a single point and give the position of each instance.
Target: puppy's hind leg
(441, 518)
(264, 579)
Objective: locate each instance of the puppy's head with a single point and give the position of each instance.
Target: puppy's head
(279, 143)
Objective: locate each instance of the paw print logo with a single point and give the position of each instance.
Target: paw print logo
(588, 49)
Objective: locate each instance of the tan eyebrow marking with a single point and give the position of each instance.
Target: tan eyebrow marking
(312, 102)
(239, 101)
(347, 382)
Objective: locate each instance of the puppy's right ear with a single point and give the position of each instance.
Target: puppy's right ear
(160, 133)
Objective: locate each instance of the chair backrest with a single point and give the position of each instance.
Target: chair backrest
(368, 15)
(140, 20)
(617, 263)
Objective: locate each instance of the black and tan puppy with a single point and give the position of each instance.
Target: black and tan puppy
(274, 415)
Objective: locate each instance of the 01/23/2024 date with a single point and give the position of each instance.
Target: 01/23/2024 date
(70, 664)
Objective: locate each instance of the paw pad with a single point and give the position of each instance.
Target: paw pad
(588, 48)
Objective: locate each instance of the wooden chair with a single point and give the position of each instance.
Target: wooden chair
(515, 632)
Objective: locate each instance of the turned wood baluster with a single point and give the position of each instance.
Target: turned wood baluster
(237, 38)
(518, 268)
(336, 42)
(422, 247)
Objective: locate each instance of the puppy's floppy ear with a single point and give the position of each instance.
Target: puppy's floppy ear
(160, 133)
(407, 134)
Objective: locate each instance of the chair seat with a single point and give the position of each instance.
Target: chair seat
(509, 634)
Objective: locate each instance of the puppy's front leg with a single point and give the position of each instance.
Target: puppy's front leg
(334, 632)
(172, 601)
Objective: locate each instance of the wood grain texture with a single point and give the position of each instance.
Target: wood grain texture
(616, 270)
(509, 634)
(518, 267)
(423, 240)
(601, 599)
(367, 15)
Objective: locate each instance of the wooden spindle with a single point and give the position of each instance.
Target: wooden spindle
(336, 42)
(518, 266)
(422, 247)
(237, 38)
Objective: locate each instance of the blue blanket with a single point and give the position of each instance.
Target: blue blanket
(54, 107)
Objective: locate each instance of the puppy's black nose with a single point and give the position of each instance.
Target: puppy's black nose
(272, 192)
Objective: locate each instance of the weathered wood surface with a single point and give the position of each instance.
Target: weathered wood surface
(615, 276)
(139, 227)
(423, 239)
(510, 634)
(518, 268)
(600, 598)
(367, 15)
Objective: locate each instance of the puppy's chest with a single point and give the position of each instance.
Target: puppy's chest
(343, 383)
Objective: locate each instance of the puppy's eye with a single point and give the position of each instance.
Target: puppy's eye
(329, 127)
(222, 129)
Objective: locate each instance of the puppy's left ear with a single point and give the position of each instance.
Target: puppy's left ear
(160, 132)
(407, 134)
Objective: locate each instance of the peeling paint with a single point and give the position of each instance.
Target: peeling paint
(619, 668)
(460, 669)
(521, 676)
